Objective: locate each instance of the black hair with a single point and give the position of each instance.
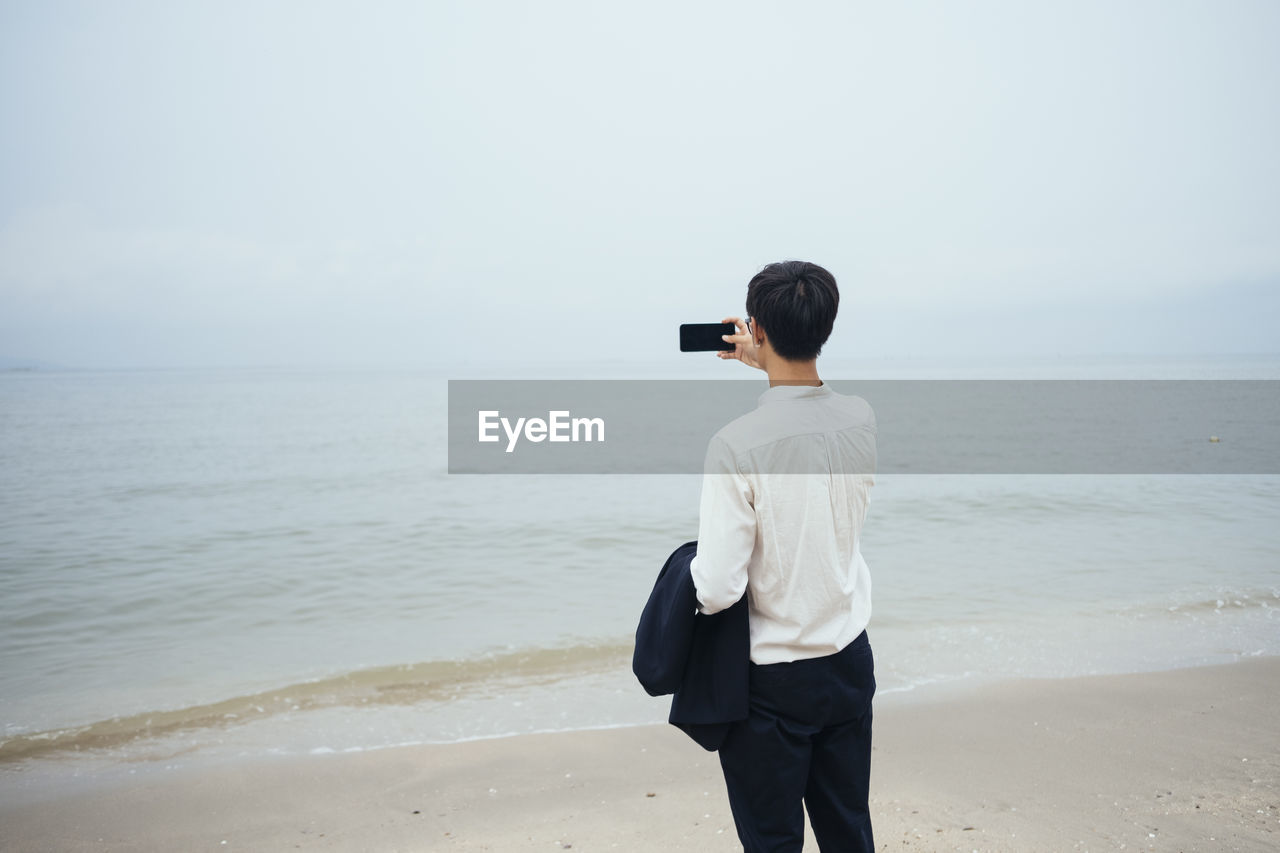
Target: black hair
(795, 302)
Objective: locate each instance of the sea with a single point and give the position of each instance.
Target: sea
(204, 565)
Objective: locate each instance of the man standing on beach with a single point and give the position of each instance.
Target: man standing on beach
(784, 498)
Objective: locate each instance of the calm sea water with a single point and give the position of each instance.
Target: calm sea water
(224, 562)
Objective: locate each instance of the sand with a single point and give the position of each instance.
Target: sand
(1187, 760)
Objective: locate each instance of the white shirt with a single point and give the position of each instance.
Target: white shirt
(784, 498)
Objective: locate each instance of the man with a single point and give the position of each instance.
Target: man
(784, 498)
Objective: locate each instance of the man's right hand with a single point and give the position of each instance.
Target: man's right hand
(744, 347)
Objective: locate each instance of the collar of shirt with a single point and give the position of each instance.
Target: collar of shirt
(779, 393)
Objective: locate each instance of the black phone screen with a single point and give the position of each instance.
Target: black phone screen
(704, 337)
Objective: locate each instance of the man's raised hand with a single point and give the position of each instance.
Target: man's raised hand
(744, 346)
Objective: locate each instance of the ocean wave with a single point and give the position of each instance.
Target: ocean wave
(408, 684)
(1267, 600)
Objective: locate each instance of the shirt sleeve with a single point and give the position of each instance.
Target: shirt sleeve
(726, 531)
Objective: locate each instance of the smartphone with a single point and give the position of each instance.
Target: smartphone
(704, 337)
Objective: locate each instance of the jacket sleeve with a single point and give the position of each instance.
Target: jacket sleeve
(726, 531)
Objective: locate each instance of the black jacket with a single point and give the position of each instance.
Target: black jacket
(703, 660)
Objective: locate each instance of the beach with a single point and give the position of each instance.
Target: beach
(1179, 760)
(348, 418)
(253, 607)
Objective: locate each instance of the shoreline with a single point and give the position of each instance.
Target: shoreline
(200, 737)
(1185, 759)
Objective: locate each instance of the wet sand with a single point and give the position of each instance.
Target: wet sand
(1187, 760)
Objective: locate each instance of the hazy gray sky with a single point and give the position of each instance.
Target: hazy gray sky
(426, 182)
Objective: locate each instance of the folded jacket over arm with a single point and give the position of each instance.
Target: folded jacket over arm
(703, 660)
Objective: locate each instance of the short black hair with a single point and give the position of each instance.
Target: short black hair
(796, 303)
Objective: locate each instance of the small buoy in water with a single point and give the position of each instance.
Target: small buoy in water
(1213, 439)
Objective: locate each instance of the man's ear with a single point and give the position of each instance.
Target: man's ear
(758, 334)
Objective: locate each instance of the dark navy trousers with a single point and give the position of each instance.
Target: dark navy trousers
(807, 739)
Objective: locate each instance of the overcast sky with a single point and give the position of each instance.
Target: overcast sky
(423, 183)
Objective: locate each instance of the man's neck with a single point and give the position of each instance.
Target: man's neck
(785, 372)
